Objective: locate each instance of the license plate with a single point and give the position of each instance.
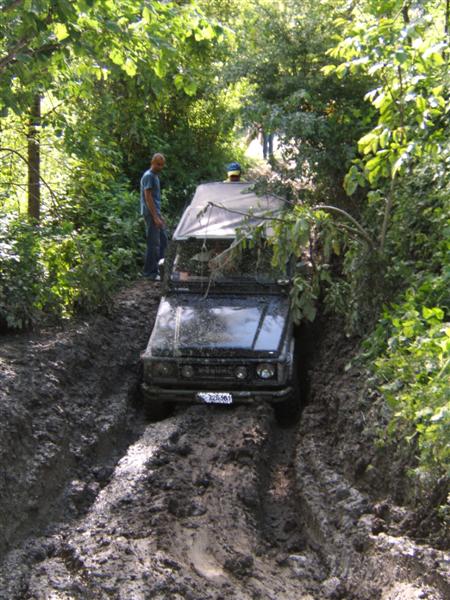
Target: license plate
(215, 397)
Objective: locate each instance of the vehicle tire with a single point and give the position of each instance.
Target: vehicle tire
(288, 411)
(155, 409)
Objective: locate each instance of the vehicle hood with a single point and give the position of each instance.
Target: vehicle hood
(191, 325)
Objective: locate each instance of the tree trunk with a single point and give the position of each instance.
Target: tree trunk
(447, 17)
(34, 161)
(405, 12)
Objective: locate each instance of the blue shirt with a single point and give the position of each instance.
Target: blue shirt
(150, 181)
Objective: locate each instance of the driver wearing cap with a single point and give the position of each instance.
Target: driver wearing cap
(233, 172)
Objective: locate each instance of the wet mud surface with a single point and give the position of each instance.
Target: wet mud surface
(211, 503)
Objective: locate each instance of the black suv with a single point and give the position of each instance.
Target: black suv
(223, 331)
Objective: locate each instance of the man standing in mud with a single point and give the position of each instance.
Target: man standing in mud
(151, 211)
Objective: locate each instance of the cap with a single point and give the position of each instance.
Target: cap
(234, 168)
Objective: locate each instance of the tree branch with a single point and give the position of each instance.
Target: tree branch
(363, 233)
(23, 43)
(244, 214)
(359, 228)
(387, 214)
(12, 151)
(12, 5)
(447, 18)
(11, 56)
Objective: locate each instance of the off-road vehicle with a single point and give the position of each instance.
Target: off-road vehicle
(223, 332)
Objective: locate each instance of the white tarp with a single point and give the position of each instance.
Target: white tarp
(218, 209)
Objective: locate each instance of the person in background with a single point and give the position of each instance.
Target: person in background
(151, 211)
(268, 146)
(234, 172)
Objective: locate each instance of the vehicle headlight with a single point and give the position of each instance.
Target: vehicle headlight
(187, 371)
(162, 369)
(265, 370)
(240, 372)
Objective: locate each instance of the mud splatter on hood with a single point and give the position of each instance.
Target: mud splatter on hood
(219, 326)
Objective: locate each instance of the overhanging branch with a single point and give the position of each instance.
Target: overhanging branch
(362, 232)
(25, 160)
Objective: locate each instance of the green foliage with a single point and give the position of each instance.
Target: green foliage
(360, 288)
(79, 275)
(409, 348)
(118, 81)
(21, 273)
(317, 119)
(51, 271)
(44, 43)
(403, 163)
(407, 59)
(379, 113)
(413, 373)
(309, 237)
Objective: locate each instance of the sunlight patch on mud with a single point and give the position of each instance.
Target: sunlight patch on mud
(134, 466)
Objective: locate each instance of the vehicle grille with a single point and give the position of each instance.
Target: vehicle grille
(215, 371)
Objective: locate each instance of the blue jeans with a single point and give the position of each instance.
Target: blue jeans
(156, 247)
(268, 145)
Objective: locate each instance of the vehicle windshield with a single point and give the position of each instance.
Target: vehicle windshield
(223, 261)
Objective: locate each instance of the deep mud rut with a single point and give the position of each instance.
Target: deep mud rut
(210, 503)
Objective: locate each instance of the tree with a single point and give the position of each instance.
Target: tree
(34, 163)
(406, 57)
(56, 48)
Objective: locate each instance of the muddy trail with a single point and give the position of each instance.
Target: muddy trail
(210, 503)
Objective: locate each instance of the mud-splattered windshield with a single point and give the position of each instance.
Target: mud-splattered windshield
(222, 261)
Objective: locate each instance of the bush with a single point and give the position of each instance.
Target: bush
(21, 272)
(79, 275)
(413, 371)
(55, 271)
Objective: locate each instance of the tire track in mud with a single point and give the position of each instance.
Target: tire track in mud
(216, 503)
(186, 515)
(213, 503)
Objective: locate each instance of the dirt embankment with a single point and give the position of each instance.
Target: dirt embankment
(65, 406)
(212, 503)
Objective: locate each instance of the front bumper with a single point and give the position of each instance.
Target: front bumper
(239, 396)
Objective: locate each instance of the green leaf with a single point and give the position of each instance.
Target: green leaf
(342, 70)
(309, 311)
(130, 67)
(384, 138)
(435, 313)
(365, 143)
(328, 69)
(350, 184)
(178, 81)
(204, 33)
(60, 31)
(117, 57)
(146, 15)
(160, 68)
(421, 103)
(190, 87)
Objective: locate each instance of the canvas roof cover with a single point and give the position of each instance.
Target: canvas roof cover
(217, 209)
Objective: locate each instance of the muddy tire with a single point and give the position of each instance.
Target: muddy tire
(155, 409)
(287, 412)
